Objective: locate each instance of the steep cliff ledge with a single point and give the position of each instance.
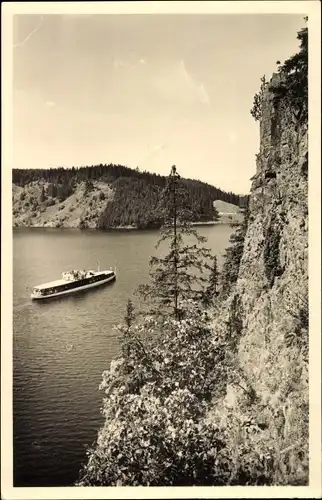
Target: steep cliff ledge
(268, 308)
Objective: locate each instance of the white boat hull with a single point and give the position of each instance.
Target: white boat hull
(74, 290)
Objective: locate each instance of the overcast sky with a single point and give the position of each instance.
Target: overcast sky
(145, 90)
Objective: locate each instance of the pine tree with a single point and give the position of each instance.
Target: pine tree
(294, 89)
(42, 196)
(178, 279)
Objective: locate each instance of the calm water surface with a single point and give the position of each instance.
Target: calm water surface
(61, 347)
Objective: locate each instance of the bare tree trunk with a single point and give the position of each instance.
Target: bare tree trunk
(175, 244)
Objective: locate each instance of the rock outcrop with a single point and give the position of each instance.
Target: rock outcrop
(34, 206)
(268, 308)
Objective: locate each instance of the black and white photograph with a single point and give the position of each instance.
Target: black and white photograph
(157, 185)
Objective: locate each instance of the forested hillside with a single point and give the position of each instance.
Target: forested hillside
(133, 197)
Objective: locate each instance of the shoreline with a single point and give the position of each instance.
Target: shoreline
(120, 228)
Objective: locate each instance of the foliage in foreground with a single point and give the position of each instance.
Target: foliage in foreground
(158, 430)
(156, 400)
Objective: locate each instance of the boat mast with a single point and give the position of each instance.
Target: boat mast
(98, 266)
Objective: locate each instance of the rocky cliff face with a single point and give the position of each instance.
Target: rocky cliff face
(267, 312)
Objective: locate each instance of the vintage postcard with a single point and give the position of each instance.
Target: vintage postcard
(161, 246)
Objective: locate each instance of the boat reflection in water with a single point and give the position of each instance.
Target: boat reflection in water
(71, 282)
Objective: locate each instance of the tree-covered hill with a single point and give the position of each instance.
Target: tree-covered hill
(135, 200)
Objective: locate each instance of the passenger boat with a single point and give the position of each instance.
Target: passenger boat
(72, 281)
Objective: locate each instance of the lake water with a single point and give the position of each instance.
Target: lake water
(61, 347)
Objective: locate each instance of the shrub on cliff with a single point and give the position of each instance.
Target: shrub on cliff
(293, 89)
(156, 399)
(271, 253)
(297, 306)
(256, 110)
